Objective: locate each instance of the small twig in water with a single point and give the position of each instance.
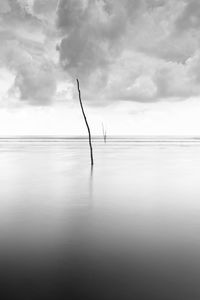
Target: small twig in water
(104, 133)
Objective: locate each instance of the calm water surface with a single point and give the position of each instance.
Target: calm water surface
(128, 229)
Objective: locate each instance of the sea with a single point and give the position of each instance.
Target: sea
(126, 228)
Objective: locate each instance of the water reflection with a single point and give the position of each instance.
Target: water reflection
(91, 186)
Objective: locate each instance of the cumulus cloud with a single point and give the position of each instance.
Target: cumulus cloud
(96, 36)
(34, 77)
(130, 50)
(93, 32)
(190, 18)
(36, 84)
(26, 51)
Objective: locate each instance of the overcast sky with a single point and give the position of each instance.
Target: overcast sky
(138, 62)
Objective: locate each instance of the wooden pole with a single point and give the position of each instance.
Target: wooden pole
(86, 122)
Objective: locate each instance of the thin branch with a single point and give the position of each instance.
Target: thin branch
(104, 133)
(86, 122)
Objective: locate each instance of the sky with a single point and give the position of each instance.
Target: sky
(138, 63)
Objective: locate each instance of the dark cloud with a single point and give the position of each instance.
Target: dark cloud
(97, 33)
(93, 33)
(190, 18)
(136, 50)
(44, 7)
(5, 7)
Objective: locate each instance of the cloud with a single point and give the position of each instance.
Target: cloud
(131, 50)
(26, 52)
(34, 78)
(97, 35)
(5, 7)
(36, 84)
(179, 80)
(93, 32)
(45, 7)
(190, 18)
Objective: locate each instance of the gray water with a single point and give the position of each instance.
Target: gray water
(128, 229)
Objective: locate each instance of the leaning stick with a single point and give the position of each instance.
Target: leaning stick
(86, 122)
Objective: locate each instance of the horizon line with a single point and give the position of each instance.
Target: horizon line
(35, 136)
